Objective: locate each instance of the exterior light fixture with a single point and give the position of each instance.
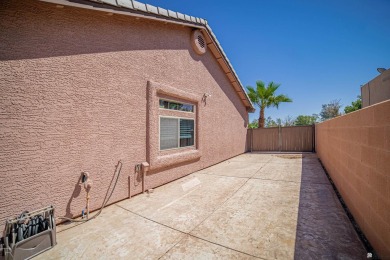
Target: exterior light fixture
(206, 95)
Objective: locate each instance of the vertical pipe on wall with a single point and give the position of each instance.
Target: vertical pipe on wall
(129, 187)
(87, 206)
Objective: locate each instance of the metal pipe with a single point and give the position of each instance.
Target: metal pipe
(87, 204)
(143, 181)
(129, 187)
(117, 172)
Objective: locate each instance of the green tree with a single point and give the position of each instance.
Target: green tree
(288, 121)
(269, 122)
(254, 124)
(306, 120)
(265, 97)
(330, 110)
(356, 105)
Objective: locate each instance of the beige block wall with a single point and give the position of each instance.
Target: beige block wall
(355, 150)
(73, 98)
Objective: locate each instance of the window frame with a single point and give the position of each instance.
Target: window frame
(178, 134)
(177, 102)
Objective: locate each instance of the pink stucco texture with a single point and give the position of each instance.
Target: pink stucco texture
(355, 150)
(74, 97)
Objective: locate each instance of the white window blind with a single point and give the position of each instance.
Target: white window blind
(176, 132)
(169, 133)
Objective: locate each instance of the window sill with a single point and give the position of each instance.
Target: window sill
(169, 160)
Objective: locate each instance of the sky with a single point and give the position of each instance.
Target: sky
(318, 51)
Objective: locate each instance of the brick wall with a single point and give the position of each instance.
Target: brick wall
(355, 150)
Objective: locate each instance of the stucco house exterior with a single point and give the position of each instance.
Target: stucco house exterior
(85, 84)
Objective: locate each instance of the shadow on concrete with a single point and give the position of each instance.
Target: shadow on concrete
(323, 230)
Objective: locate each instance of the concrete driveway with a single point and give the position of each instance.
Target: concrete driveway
(255, 205)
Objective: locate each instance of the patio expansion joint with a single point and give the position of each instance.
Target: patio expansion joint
(265, 164)
(240, 177)
(217, 208)
(185, 233)
(226, 176)
(226, 247)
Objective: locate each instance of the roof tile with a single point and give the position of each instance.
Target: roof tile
(172, 14)
(139, 6)
(125, 3)
(162, 11)
(152, 9)
(180, 16)
(110, 2)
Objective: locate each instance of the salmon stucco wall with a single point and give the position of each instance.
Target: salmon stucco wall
(74, 98)
(355, 150)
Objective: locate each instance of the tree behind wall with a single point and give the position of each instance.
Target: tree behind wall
(330, 110)
(254, 124)
(356, 105)
(269, 122)
(306, 120)
(265, 97)
(288, 121)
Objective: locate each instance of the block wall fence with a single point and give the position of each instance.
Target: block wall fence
(355, 150)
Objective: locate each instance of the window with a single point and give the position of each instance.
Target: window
(176, 132)
(176, 106)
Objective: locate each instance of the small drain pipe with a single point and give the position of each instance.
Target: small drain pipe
(144, 170)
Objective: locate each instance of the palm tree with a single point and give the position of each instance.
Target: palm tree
(265, 97)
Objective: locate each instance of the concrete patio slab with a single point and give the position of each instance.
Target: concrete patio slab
(234, 169)
(321, 222)
(260, 219)
(194, 248)
(251, 158)
(185, 203)
(280, 206)
(280, 171)
(314, 173)
(115, 233)
(293, 158)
